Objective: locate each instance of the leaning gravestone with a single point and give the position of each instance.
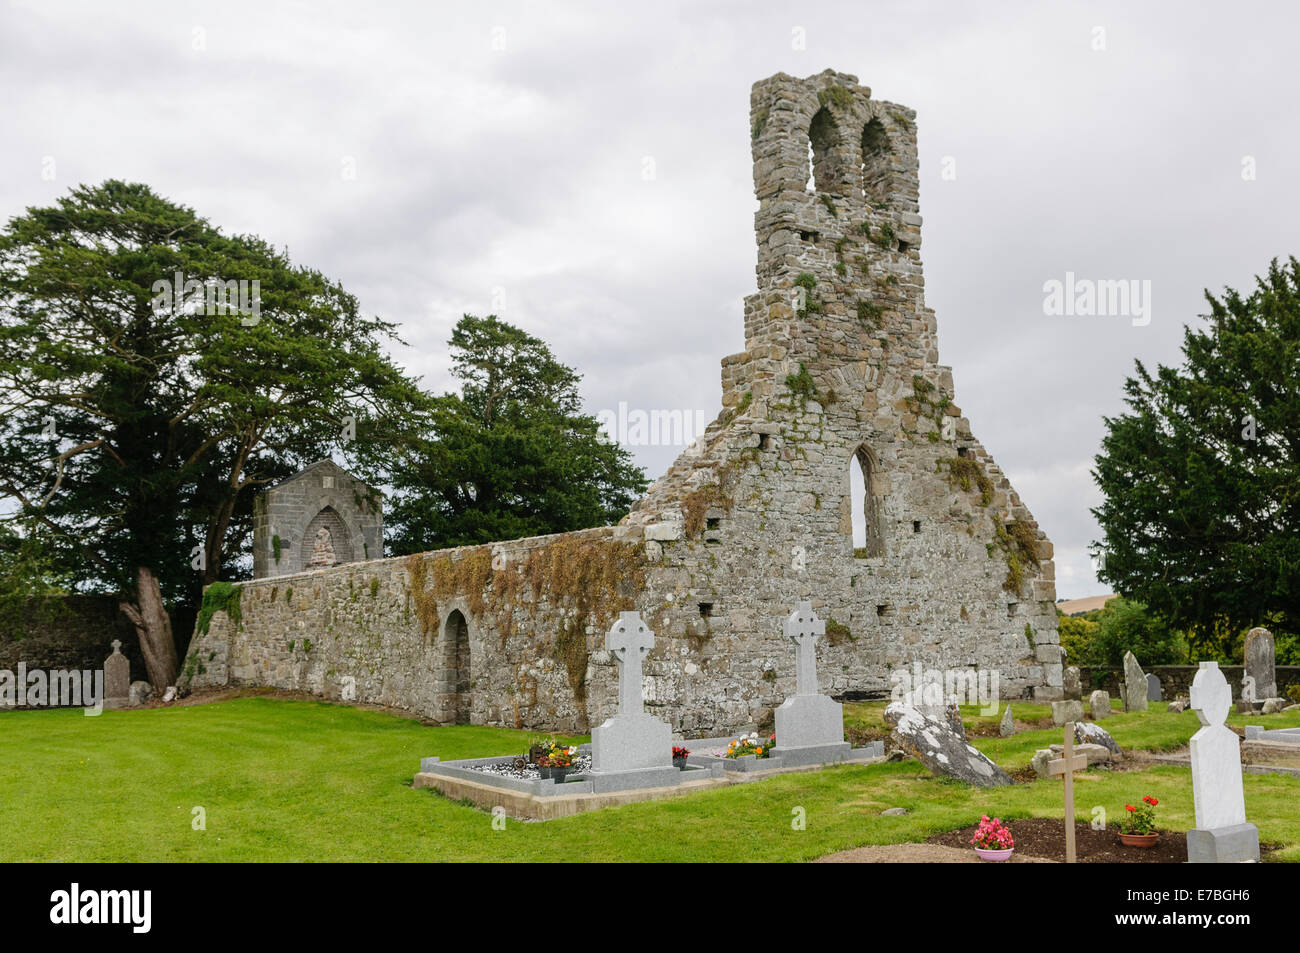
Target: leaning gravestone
(631, 749)
(1260, 661)
(939, 748)
(1222, 834)
(809, 726)
(1099, 702)
(1154, 691)
(117, 678)
(1135, 684)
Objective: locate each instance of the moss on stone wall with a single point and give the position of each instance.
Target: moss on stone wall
(218, 597)
(1019, 544)
(968, 473)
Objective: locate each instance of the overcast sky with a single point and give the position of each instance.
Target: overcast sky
(445, 158)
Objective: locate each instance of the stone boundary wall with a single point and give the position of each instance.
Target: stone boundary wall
(73, 632)
(1176, 680)
(502, 634)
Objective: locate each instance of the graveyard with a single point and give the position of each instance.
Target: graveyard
(294, 779)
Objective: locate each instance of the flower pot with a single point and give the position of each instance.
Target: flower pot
(1138, 840)
(679, 763)
(994, 855)
(559, 774)
(545, 772)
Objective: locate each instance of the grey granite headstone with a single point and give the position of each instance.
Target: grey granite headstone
(1154, 692)
(1222, 834)
(117, 678)
(631, 740)
(808, 719)
(1135, 684)
(1260, 662)
(1099, 703)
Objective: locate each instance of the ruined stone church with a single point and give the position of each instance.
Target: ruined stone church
(840, 376)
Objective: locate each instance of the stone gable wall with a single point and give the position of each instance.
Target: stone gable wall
(840, 365)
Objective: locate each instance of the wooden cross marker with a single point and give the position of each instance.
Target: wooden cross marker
(1067, 766)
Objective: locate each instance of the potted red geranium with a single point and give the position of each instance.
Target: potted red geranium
(680, 755)
(1138, 828)
(992, 840)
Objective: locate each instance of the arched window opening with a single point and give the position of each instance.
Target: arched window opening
(823, 157)
(864, 495)
(875, 164)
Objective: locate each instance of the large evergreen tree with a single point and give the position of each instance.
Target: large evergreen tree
(136, 424)
(512, 455)
(1201, 476)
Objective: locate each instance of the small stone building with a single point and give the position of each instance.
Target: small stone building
(320, 517)
(840, 470)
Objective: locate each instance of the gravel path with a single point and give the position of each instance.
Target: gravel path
(915, 854)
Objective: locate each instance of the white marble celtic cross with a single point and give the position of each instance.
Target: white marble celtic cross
(629, 640)
(803, 628)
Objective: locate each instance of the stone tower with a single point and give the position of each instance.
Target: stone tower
(840, 372)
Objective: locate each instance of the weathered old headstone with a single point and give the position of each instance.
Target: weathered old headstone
(117, 678)
(1154, 692)
(1072, 682)
(937, 746)
(1222, 834)
(1007, 727)
(1064, 712)
(631, 742)
(1260, 662)
(1099, 703)
(808, 725)
(1135, 684)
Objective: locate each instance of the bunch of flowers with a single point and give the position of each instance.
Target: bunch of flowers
(680, 752)
(1140, 820)
(556, 755)
(992, 835)
(751, 744)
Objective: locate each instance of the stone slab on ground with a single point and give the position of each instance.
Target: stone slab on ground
(1090, 733)
(940, 749)
(1096, 754)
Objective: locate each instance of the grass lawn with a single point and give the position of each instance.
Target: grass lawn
(302, 781)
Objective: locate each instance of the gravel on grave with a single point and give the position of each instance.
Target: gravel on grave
(507, 769)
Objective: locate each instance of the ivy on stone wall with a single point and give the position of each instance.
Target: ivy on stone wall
(219, 597)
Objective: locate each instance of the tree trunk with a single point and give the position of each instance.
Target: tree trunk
(154, 627)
